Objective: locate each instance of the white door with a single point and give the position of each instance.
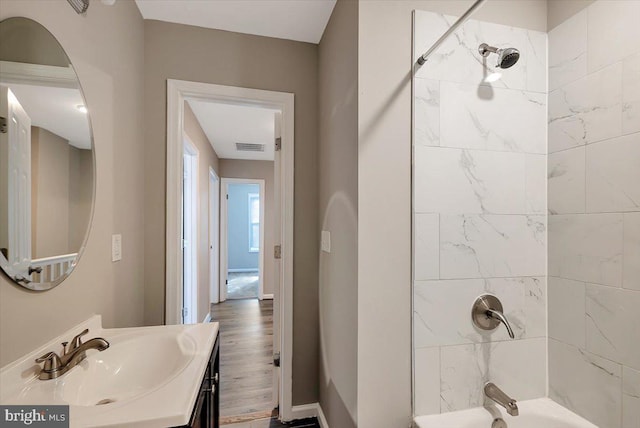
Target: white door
(277, 262)
(190, 235)
(214, 239)
(19, 184)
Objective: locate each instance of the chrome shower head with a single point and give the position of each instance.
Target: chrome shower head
(507, 57)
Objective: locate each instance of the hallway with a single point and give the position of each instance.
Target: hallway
(246, 358)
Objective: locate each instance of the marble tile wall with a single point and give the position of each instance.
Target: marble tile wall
(594, 213)
(480, 214)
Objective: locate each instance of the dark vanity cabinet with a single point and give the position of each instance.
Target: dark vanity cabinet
(206, 413)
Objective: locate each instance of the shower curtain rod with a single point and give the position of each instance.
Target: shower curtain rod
(451, 29)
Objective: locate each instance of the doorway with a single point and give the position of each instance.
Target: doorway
(214, 236)
(242, 238)
(281, 258)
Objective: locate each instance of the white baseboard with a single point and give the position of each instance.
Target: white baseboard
(267, 297)
(321, 418)
(243, 270)
(313, 410)
(207, 318)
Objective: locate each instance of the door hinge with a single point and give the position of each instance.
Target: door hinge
(276, 359)
(227, 196)
(277, 251)
(278, 144)
(185, 312)
(226, 282)
(184, 243)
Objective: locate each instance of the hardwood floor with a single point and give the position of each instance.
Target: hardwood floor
(246, 356)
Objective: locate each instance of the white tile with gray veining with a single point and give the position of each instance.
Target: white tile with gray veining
(427, 112)
(585, 383)
(586, 247)
(457, 181)
(613, 32)
(427, 390)
(630, 398)
(566, 305)
(613, 323)
(519, 367)
(631, 94)
(613, 175)
(631, 262)
(427, 247)
(587, 110)
(482, 117)
(568, 51)
(566, 181)
(458, 59)
(488, 246)
(535, 184)
(523, 300)
(535, 52)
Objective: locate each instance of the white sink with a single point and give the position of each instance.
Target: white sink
(129, 368)
(148, 376)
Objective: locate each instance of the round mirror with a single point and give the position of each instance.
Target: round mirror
(47, 168)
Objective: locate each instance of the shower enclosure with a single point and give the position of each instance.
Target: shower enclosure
(526, 186)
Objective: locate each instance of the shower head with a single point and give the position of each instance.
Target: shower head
(507, 57)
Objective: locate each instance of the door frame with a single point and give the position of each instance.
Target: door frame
(214, 236)
(224, 224)
(177, 91)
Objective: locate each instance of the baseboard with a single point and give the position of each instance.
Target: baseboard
(267, 297)
(243, 270)
(313, 410)
(321, 418)
(207, 318)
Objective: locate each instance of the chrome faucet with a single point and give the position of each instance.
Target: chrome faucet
(496, 394)
(55, 366)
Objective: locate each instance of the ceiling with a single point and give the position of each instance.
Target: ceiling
(227, 124)
(301, 20)
(55, 109)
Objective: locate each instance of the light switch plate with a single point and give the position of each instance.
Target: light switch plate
(325, 241)
(116, 248)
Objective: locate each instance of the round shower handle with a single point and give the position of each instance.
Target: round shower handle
(487, 314)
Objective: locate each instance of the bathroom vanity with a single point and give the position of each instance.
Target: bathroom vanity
(148, 377)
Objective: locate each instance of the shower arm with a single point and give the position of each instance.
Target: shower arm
(451, 29)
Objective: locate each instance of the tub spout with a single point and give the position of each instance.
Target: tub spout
(497, 395)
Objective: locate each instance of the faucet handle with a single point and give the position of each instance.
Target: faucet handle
(77, 341)
(51, 362)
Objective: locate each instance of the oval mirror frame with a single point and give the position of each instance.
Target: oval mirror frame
(46, 271)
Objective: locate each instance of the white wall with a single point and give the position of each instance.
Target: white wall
(479, 206)
(106, 49)
(384, 195)
(594, 207)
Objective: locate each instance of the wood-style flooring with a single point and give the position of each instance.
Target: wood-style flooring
(274, 423)
(246, 357)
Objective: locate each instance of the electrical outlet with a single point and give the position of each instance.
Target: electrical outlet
(116, 248)
(325, 241)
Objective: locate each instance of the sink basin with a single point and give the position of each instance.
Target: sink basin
(132, 366)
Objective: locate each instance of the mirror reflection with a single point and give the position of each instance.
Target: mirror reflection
(46, 158)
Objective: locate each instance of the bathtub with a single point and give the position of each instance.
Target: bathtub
(538, 413)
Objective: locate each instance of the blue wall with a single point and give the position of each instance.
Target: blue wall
(238, 227)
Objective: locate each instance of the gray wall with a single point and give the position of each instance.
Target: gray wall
(108, 57)
(238, 227)
(262, 170)
(207, 157)
(594, 213)
(49, 194)
(384, 195)
(338, 174)
(559, 11)
(213, 56)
